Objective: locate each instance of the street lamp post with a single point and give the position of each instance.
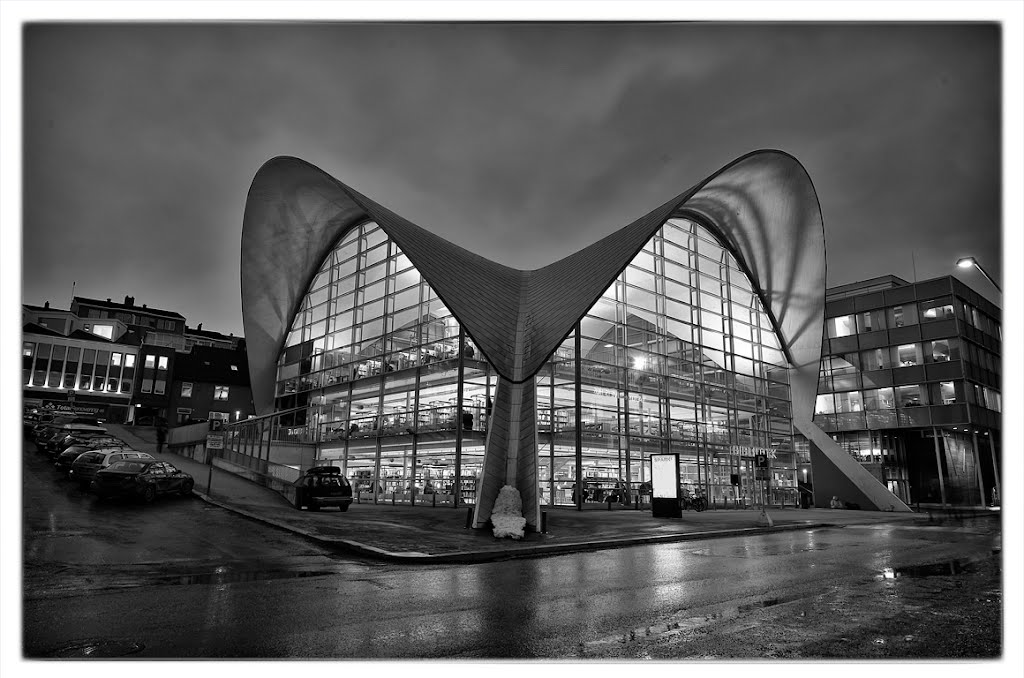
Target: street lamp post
(968, 262)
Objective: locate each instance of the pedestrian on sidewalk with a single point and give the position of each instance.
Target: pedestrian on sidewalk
(161, 436)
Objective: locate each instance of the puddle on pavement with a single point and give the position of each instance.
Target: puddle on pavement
(678, 624)
(945, 569)
(231, 577)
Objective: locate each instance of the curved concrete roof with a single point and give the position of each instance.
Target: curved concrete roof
(762, 206)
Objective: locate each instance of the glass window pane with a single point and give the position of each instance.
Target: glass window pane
(641, 299)
(871, 321)
(940, 309)
(842, 326)
(906, 355)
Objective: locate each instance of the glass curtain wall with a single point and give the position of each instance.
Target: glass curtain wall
(676, 356)
(387, 383)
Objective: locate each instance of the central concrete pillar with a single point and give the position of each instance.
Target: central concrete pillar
(510, 456)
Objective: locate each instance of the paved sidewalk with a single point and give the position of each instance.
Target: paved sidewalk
(430, 535)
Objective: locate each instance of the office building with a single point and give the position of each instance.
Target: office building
(910, 388)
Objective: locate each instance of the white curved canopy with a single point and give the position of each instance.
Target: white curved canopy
(762, 206)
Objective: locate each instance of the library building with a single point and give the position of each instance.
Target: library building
(432, 375)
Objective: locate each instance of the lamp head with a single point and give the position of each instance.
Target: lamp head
(966, 262)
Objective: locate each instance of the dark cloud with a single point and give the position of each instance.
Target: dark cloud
(520, 142)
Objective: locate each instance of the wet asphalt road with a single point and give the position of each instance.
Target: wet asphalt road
(181, 579)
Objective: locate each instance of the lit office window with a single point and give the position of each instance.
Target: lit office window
(850, 401)
(876, 359)
(825, 404)
(105, 331)
(942, 350)
(898, 316)
(150, 361)
(186, 389)
(909, 396)
(936, 310)
(879, 399)
(946, 393)
(842, 326)
(220, 392)
(907, 355)
(871, 321)
(162, 363)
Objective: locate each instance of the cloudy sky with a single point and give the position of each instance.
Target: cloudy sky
(521, 142)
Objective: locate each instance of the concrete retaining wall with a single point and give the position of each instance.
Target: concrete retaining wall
(285, 488)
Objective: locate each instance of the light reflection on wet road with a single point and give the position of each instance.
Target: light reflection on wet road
(182, 579)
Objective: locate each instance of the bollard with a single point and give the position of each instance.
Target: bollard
(469, 517)
(392, 498)
(543, 522)
(433, 500)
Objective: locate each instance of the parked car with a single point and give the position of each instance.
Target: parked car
(47, 427)
(69, 429)
(86, 465)
(66, 458)
(323, 486)
(87, 439)
(143, 479)
(32, 418)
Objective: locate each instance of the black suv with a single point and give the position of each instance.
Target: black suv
(323, 486)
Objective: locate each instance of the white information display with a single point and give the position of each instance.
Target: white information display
(664, 476)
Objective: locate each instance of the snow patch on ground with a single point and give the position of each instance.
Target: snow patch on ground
(507, 515)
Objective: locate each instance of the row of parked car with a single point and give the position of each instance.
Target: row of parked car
(83, 451)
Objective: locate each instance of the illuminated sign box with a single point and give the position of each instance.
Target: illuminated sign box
(665, 486)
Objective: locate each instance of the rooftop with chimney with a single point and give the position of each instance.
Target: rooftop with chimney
(127, 305)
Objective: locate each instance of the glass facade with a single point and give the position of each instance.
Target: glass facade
(383, 377)
(676, 356)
